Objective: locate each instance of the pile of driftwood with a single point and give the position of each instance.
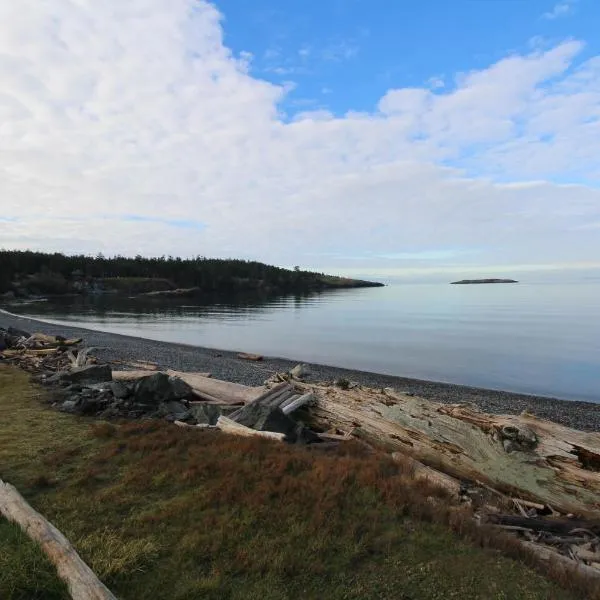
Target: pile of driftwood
(36, 352)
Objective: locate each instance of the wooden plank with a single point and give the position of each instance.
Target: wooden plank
(229, 426)
(81, 580)
(290, 407)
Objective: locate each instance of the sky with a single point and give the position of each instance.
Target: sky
(383, 137)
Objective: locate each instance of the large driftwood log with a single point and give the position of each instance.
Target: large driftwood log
(225, 391)
(81, 580)
(515, 455)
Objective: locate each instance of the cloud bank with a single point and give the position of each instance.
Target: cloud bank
(130, 127)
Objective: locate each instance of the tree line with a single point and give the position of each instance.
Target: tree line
(56, 273)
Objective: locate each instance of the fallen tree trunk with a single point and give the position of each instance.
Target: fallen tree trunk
(81, 580)
(521, 456)
(225, 391)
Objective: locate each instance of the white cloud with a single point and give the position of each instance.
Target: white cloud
(560, 9)
(115, 108)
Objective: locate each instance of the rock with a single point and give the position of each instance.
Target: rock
(119, 390)
(74, 388)
(18, 333)
(266, 418)
(69, 405)
(84, 375)
(158, 388)
(180, 388)
(174, 411)
(208, 414)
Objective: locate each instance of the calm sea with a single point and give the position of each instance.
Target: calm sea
(532, 338)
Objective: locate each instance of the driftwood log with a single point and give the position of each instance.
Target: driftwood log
(521, 456)
(215, 389)
(81, 580)
(229, 426)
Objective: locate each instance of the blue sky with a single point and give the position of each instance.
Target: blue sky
(343, 55)
(385, 137)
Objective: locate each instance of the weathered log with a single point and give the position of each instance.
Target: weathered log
(290, 407)
(421, 471)
(225, 391)
(518, 456)
(267, 398)
(548, 555)
(138, 374)
(551, 525)
(81, 580)
(229, 426)
(248, 356)
(272, 392)
(184, 425)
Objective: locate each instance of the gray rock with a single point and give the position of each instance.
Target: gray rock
(208, 414)
(119, 390)
(180, 388)
(174, 411)
(159, 388)
(265, 418)
(85, 375)
(69, 405)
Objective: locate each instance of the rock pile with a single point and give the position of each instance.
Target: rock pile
(83, 387)
(91, 391)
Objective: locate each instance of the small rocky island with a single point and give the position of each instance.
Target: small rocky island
(469, 281)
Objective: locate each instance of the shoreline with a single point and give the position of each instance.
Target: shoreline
(224, 364)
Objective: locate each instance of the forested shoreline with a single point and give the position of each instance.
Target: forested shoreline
(26, 273)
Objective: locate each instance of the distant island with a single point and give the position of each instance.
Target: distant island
(25, 274)
(469, 281)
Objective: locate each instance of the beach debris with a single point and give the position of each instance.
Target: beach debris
(227, 425)
(300, 371)
(545, 464)
(247, 356)
(82, 375)
(82, 582)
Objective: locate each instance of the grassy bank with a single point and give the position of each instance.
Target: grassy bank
(162, 512)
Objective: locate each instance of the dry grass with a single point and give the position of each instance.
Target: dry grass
(163, 512)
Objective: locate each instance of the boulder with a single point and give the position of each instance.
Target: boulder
(208, 414)
(159, 388)
(174, 411)
(265, 418)
(84, 375)
(120, 390)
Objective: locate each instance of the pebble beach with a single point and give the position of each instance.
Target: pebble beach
(227, 366)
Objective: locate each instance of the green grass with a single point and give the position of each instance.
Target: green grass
(159, 512)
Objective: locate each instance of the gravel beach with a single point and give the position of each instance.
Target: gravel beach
(224, 365)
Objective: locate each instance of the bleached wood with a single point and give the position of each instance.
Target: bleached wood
(229, 426)
(558, 470)
(297, 403)
(225, 391)
(81, 580)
